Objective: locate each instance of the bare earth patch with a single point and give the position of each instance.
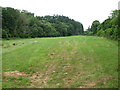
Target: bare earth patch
(37, 80)
(104, 79)
(15, 74)
(89, 85)
(92, 84)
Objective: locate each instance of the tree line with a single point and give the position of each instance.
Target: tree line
(109, 28)
(23, 24)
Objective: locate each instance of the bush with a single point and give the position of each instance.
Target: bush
(101, 33)
(5, 33)
(115, 33)
(109, 32)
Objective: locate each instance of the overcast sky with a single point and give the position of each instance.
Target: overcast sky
(84, 11)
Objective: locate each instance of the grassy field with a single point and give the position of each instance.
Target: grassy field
(62, 62)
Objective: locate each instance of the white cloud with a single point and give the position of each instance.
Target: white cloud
(84, 11)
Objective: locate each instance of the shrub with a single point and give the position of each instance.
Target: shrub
(109, 32)
(101, 33)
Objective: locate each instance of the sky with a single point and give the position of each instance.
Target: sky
(84, 11)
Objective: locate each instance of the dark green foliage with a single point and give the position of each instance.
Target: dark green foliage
(94, 26)
(110, 28)
(23, 24)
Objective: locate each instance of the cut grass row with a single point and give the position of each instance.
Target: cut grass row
(77, 61)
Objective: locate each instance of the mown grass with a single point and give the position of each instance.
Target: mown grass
(77, 61)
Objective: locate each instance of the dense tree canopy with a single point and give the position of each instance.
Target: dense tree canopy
(23, 24)
(110, 28)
